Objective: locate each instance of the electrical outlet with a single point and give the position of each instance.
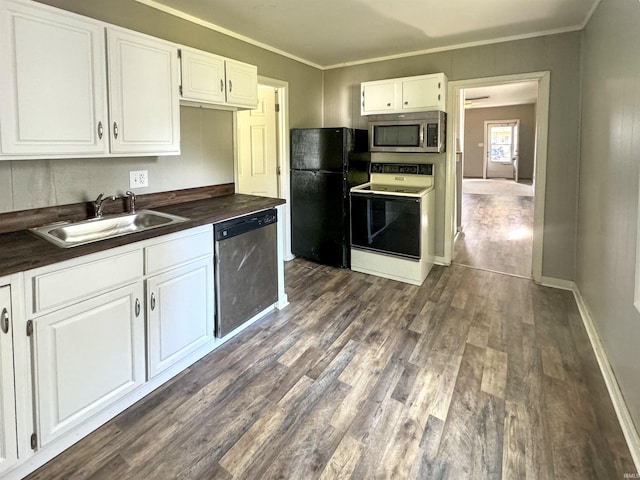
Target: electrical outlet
(138, 179)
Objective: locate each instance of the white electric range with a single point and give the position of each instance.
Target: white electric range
(392, 222)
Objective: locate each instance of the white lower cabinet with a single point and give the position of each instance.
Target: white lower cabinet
(87, 356)
(8, 438)
(180, 313)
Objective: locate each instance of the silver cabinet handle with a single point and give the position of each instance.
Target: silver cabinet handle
(230, 86)
(153, 301)
(221, 85)
(115, 129)
(100, 130)
(4, 320)
(137, 307)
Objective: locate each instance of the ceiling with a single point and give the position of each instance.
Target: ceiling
(331, 33)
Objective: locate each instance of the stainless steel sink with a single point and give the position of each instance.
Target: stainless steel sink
(68, 234)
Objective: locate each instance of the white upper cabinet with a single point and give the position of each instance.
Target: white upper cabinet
(202, 76)
(209, 78)
(409, 94)
(379, 97)
(424, 93)
(242, 84)
(52, 88)
(143, 93)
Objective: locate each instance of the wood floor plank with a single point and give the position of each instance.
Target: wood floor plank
(472, 375)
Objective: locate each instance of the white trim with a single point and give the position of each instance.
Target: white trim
(558, 283)
(590, 14)
(217, 28)
(542, 128)
(479, 43)
(225, 31)
(617, 398)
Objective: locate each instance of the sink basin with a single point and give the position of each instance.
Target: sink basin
(68, 234)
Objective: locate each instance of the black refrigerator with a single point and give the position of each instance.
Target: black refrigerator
(325, 164)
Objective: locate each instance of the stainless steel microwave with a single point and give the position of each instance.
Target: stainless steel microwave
(423, 132)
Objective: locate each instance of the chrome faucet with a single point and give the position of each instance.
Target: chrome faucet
(132, 201)
(98, 205)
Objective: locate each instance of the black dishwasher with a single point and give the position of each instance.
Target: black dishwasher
(246, 253)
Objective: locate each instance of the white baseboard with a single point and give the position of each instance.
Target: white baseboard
(559, 283)
(622, 411)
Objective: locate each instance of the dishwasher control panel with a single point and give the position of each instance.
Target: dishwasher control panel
(246, 223)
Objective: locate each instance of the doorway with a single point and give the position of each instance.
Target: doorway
(463, 92)
(261, 149)
(501, 149)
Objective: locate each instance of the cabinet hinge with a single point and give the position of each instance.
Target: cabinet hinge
(179, 53)
(29, 328)
(34, 441)
(277, 107)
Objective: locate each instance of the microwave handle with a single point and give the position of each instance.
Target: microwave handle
(422, 135)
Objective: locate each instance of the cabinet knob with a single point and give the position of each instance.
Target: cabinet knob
(100, 130)
(388, 104)
(406, 103)
(115, 129)
(137, 307)
(4, 320)
(153, 301)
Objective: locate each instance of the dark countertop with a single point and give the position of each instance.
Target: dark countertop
(22, 250)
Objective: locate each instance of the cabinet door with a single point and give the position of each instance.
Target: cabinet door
(87, 356)
(202, 76)
(379, 97)
(8, 441)
(143, 94)
(53, 85)
(180, 313)
(242, 84)
(421, 94)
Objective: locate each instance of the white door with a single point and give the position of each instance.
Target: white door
(144, 96)
(87, 356)
(257, 147)
(501, 149)
(180, 304)
(53, 96)
(8, 446)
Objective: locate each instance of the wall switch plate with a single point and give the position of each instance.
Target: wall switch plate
(138, 179)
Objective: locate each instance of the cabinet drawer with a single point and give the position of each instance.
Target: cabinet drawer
(189, 245)
(64, 286)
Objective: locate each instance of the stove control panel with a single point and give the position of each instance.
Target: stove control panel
(403, 168)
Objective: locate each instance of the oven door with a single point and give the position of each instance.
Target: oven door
(386, 223)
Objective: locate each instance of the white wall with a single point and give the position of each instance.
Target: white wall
(608, 196)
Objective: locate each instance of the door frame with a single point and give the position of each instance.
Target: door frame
(485, 164)
(282, 148)
(540, 161)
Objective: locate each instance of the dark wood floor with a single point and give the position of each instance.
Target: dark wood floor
(497, 233)
(473, 375)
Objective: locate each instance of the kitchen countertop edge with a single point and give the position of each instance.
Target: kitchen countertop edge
(22, 250)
